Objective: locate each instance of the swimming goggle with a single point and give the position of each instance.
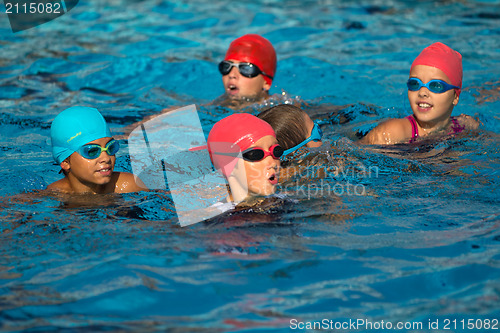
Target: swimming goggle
(436, 86)
(316, 135)
(93, 151)
(246, 69)
(257, 154)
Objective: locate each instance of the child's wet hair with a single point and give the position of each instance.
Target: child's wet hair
(288, 122)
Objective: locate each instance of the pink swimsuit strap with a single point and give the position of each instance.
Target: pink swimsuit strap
(414, 128)
(455, 127)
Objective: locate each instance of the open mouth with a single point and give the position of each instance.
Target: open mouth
(232, 89)
(273, 179)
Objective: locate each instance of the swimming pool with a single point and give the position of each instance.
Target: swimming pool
(405, 234)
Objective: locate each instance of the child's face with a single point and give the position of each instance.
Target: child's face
(261, 177)
(87, 173)
(427, 106)
(238, 86)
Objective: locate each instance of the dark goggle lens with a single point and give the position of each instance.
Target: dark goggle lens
(249, 70)
(246, 69)
(413, 85)
(225, 67)
(436, 86)
(254, 155)
(91, 152)
(258, 154)
(113, 147)
(278, 151)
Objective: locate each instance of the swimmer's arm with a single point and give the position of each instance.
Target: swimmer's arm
(468, 122)
(127, 183)
(389, 132)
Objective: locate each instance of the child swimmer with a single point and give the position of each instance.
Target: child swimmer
(293, 126)
(245, 150)
(84, 148)
(247, 71)
(434, 88)
(294, 130)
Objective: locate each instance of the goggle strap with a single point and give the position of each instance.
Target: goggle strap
(291, 150)
(316, 130)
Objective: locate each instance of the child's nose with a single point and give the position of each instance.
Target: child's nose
(271, 161)
(423, 91)
(104, 157)
(234, 72)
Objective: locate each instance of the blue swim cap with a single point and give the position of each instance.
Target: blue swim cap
(74, 128)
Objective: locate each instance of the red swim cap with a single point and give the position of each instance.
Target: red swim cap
(444, 58)
(255, 49)
(232, 135)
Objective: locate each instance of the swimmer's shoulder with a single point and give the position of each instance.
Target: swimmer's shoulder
(126, 182)
(392, 131)
(468, 122)
(61, 185)
(121, 182)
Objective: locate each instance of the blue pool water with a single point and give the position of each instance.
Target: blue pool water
(404, 234)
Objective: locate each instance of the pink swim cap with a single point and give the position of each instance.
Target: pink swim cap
(256, 50)
(232, 135)
(444, 58)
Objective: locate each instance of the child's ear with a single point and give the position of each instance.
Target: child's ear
(65, 165)
(266, 86)
(455, 100)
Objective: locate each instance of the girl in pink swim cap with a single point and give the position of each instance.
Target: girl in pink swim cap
(248, 69)
(434, 89)
(245, 150)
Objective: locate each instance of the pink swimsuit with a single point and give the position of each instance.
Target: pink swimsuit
(455, 127)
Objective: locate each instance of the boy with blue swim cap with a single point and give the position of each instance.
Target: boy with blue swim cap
(84, 148)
